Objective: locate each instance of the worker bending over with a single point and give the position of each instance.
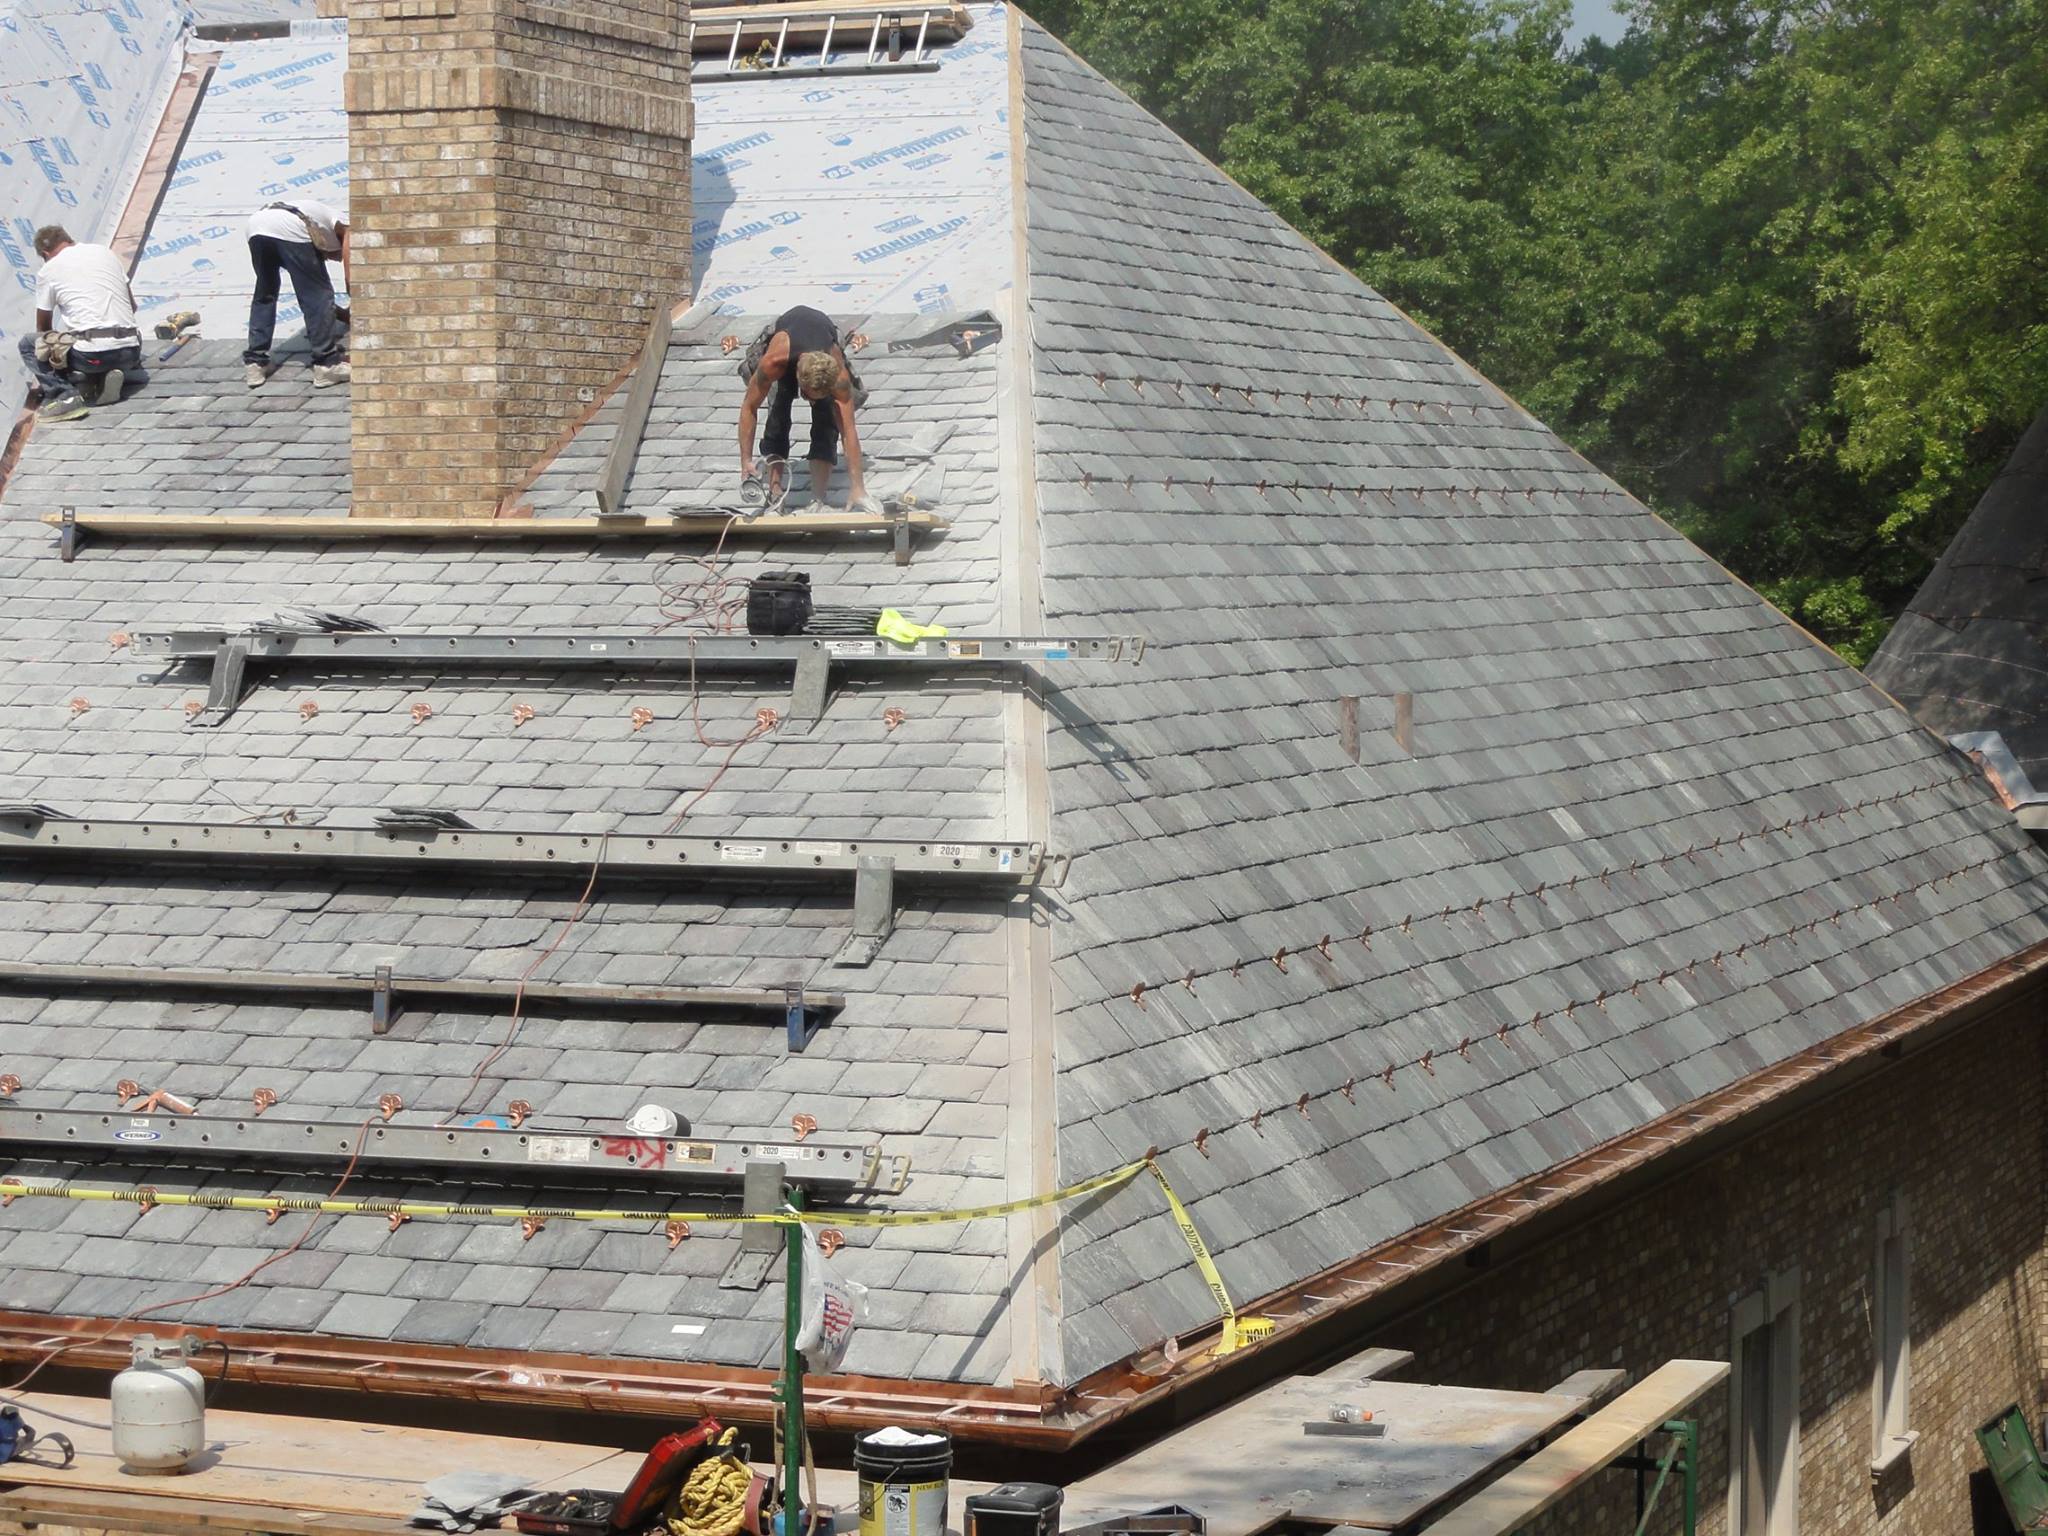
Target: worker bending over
(297, 239)
(86, 346)
(800, 355)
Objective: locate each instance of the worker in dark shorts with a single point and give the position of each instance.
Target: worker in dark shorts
(800, 354)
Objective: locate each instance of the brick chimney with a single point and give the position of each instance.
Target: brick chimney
(519, 202)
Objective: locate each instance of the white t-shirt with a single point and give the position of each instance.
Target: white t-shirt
(85, 288)
(317, 225)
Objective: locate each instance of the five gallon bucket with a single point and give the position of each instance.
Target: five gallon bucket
(902, 1482)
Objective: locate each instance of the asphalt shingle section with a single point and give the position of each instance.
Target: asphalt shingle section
(1248, 456)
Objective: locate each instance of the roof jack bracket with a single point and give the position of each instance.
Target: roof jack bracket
(383, 1003)
(874, 912)
(899, 531)
(70, 537)
(811, 689)
(760, 1241)
(803, 1021)
(224, 688)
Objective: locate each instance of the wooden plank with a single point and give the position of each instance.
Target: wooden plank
(1369, 1365)
(37, 1508)
(1545, 1478)
(625, 448)
(165, 525)
(1249, 1464)
(310, 1466)
(1592, 1387)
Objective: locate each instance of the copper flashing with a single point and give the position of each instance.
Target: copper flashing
(1026, 1417)
(1144, 1380)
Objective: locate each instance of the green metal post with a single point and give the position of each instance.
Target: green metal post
(1688, 1432)
(792, 1368)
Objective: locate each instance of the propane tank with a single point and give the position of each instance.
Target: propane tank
(159, 1407)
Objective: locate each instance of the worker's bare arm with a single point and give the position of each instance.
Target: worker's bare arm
(341, 236)
(44, 320)
(849, 434)
(750, 410)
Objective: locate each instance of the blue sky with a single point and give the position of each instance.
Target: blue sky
(1595, 18)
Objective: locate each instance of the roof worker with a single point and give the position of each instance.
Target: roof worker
(800, 354)
(297, 239)
(87, 346)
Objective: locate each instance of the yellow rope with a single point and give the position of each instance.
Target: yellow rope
(713, 1498)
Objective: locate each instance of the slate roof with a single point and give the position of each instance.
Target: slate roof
(1605, 728)
(1589, 692)
(918, 1057)
(1970, 653)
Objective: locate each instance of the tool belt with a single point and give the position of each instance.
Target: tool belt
(108, 333)
(311, 237)
(53, 348)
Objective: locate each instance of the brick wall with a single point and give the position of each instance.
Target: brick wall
(519, 204)
(1959, 1130)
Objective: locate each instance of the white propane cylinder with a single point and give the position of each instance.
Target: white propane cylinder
(159, 1407)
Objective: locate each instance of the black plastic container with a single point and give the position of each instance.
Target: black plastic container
(779, 603)
(1015, 1509)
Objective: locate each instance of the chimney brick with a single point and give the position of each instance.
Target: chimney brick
(519, 204)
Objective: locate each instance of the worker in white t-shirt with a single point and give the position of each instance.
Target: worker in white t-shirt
(86, 348)
(299, 239)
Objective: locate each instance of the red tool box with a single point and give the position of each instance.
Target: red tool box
(588, 1512)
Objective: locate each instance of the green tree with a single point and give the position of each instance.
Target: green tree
(1778, 265)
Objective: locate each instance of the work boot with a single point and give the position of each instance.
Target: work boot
(65, 407)
(256, 375)
(324, 376)
(110, 386)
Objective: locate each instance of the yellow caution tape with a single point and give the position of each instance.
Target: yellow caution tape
(11, 1189)
(1237, 1331)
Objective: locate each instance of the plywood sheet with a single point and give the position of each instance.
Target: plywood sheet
(1542, 1480)
(319, 1465)
(1250, 1464)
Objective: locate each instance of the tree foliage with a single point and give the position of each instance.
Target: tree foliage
(1780, 266)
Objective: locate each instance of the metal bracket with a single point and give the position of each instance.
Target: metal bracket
(760, 1242)
(899, 535)
(383, 1003)
(874, 912)
(224, 688)
(70, 537)
(802, 1021)
(335, 640)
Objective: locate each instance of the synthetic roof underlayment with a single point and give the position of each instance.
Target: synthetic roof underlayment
(81, 89)
(1970, 653)
(271, 128)
(1637, 838)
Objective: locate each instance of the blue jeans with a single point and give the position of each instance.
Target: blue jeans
(315, 290)
(63, 381)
